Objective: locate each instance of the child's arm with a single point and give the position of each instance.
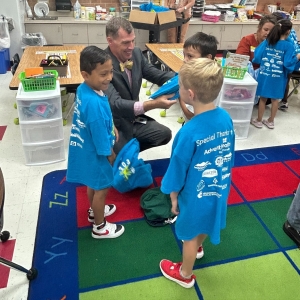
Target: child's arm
(111, 158)
(186, 112)
(116, 133)
(174, 201)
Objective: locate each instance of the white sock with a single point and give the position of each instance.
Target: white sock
(185, 277)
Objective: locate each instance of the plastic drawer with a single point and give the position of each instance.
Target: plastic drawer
(47, 153)
(238, 93)
(39, 110)
(239, 111)
(241, 129)
(39, 105)
(41, 132)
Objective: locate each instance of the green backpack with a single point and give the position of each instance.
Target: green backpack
(157, 208)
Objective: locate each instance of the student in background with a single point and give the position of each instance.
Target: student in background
(198, 177)
(198, 45)
(294, 40)
(92, 139)
(277, 59)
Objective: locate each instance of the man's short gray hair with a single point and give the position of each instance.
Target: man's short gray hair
(115, 23)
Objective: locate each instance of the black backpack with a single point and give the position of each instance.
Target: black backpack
(157, 208)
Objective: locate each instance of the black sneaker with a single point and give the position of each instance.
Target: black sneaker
(292, 233)
(283, 106)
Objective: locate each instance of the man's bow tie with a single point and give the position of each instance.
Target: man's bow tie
(127, 64)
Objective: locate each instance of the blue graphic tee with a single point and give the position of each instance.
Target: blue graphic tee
(91, 140)
(200, 170)
(276, 62)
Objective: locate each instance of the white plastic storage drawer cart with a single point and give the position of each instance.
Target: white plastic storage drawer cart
(41, 125)
(237, 98)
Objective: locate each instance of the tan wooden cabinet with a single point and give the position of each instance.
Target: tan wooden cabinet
(75, 33)
(52, 33)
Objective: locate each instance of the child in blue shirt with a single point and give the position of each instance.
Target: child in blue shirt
(277, 58)
(198, 45)
(199, 174)
(92, 139)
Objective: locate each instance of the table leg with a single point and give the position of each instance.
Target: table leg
(154, 36)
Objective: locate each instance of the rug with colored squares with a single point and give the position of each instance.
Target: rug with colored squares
(255, 259)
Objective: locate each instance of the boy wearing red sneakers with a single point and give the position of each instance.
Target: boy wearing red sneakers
(199, 174)
(92, 139)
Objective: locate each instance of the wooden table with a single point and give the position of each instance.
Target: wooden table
(165, 55)
(31, 59)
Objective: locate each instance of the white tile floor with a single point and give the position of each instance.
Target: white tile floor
(23, 183)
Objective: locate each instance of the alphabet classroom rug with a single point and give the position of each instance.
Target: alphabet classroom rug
(255, 259)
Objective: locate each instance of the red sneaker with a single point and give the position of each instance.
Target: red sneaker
(172, 271)
(200, 253)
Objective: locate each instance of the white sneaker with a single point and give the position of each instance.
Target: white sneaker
(107, 230)
(200, 251)
(108, 210)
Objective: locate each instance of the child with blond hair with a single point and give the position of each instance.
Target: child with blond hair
(199, 174)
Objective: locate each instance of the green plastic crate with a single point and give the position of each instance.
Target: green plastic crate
(234, 73)
(39, 84)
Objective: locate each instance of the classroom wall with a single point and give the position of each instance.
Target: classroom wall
(286, 4)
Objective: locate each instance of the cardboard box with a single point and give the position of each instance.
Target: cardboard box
(152, 17)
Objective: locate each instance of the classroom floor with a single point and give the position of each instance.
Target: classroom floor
(23, 183)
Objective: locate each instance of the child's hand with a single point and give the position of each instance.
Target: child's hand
(112, 157)
(174, 210)
(116, 133)
(174, 201)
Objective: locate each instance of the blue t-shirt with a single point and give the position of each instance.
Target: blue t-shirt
(276, 62)
(294, 40)
(200, 170)
(91, 140)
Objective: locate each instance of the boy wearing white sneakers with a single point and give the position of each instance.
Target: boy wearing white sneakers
(199, 174)
(92, 138)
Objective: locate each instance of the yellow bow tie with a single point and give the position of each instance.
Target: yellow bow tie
(127, 64)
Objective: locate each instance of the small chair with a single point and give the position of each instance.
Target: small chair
(15, 63)
(295, 77)
(70, 90)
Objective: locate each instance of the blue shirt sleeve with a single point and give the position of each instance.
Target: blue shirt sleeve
(182, 153)
(294, 40)
(290, 59)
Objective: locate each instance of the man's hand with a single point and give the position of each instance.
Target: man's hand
(160, 102)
